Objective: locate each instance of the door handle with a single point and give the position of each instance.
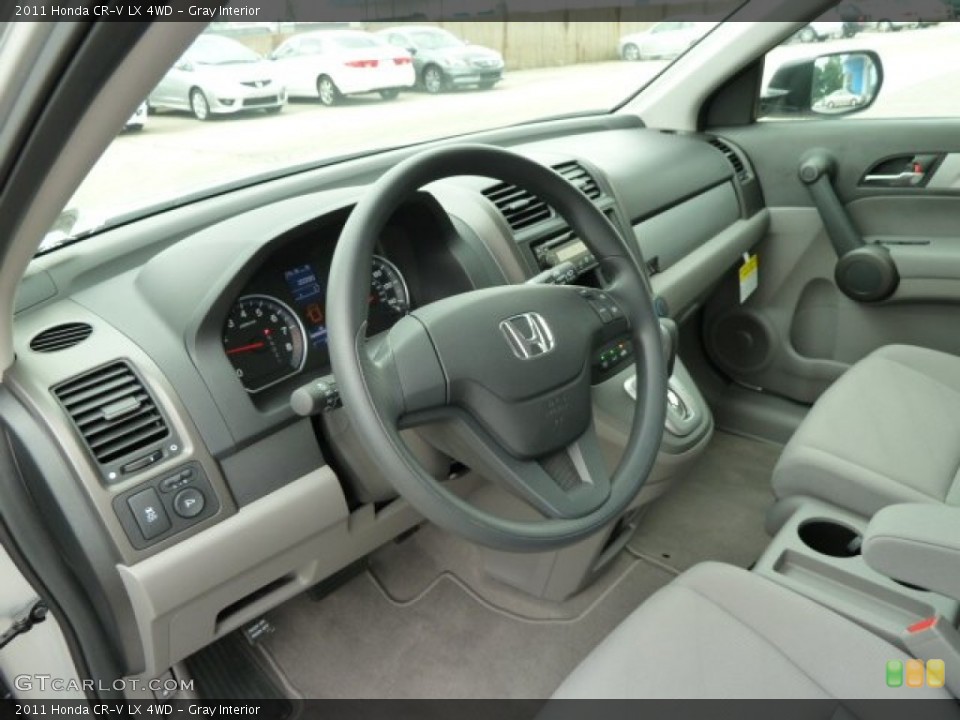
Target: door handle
(903, 179)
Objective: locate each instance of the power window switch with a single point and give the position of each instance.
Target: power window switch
(149, 513)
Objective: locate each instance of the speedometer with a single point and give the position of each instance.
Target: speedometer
(265, 341)
(389, 297)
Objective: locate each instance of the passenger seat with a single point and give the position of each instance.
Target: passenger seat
(886, 432)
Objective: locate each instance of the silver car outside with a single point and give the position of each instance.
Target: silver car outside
(219, 76)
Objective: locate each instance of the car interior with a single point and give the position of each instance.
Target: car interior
(660, 402)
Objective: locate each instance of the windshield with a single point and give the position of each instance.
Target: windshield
(224, 117)
(434, 40)
(355, 42)
(220, 51)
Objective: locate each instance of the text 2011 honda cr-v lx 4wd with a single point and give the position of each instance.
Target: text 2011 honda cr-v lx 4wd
(619, 380)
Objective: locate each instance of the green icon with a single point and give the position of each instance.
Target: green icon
(894, 673)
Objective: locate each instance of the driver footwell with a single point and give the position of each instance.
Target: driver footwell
(423, 621)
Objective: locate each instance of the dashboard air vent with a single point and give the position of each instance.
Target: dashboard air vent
(732, 157)
(519, 208)
(60, 337)
(579, 177)
(113, 411)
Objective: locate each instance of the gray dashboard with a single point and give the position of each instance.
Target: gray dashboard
(157, 292)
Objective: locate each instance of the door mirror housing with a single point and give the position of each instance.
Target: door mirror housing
(826, 85)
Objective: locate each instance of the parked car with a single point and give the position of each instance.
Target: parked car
(443, 61)
(892, 15)
(664, 41)
(219, 76)
(329, 64)
(839, 99)
(823, 30)
(137, 120)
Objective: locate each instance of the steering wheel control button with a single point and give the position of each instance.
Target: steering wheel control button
(603, 305)
(189, 503)
(610, 359)
(149, 513)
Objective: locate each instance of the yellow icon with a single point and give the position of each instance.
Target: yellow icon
(936, 673)
(914, 674)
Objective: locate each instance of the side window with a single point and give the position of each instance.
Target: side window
(311, 46)
(848, 64)
(286, 50)
(666, 27)
(398, 40)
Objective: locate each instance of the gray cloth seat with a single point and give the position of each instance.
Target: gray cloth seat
(886, 432)
(718, 631)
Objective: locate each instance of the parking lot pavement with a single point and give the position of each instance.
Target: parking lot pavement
(175, 154)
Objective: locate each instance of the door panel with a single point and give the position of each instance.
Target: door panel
(799, 331)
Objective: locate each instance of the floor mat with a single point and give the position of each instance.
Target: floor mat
(407, 570)
(424, 622)
(718, 512)
(231, 669)
(358, 643)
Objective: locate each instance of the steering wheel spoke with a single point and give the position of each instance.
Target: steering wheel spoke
(404, 371)
(570, 483)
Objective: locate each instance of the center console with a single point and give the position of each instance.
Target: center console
(817, 553)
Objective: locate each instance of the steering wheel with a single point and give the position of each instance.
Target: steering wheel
(511, 365)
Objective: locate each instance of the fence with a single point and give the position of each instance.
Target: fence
(553, 39)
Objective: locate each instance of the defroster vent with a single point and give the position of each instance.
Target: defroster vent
(60, 337)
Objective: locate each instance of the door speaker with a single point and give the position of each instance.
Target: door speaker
(741, 341)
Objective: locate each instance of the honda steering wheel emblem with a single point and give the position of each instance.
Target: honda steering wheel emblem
(528, 335)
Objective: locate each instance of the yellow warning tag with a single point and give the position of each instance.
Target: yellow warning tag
(749, 276)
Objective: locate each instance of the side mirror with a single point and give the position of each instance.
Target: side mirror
(826, 85)
(412, 50)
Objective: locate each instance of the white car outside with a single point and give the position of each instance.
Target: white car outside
(665, 40)
(330, 64)
(137, 120)
(219, 76)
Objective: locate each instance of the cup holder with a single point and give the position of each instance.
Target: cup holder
(830, 538)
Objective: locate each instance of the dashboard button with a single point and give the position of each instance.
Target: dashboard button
(149, 513)
(189, 503)
(171, 483)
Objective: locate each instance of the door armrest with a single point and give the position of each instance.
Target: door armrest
(917, 544)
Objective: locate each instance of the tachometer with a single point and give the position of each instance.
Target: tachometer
(265, 341)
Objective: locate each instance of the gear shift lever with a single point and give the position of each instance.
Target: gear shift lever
(670, 336)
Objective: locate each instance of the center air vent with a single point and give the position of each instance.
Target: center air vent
(580, 178)
(60, 337)
(739, 169)
(113, 411)
(519, 208)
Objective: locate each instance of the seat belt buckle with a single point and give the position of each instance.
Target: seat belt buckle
(937, 643)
